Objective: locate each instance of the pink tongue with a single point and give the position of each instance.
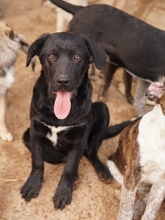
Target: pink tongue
(62, 104)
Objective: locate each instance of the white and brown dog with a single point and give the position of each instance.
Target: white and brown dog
(139, 162)
(10, 45)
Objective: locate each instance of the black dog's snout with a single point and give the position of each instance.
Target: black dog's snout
(63, 81)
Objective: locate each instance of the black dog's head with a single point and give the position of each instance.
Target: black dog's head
(65, 59)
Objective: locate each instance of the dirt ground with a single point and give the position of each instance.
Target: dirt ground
(92, 200)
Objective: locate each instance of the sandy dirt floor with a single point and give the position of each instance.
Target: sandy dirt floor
(92, 200)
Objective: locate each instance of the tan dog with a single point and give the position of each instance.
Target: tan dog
(139, 162)
(10, 44)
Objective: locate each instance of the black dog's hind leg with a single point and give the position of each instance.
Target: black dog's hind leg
(128, 85)
(93, 76)
(100, 126)
(108, 72)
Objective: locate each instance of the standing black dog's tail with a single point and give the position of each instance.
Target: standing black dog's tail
(66, 6)
(116, 129)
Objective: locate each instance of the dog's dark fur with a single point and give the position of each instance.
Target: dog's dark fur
(129, 43)
(65, 58)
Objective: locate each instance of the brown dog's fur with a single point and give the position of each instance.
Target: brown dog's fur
(138, 163)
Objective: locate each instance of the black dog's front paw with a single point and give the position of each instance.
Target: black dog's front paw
(31, 188)
(62, 198)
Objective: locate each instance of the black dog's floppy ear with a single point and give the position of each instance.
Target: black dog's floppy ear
(97, 52)
(35, 48)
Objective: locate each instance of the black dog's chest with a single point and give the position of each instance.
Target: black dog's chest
(62, 136)
(56, 132)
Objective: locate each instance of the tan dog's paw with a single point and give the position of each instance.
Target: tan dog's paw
(6, 136)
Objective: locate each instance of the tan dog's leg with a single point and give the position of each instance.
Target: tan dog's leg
(4, 134)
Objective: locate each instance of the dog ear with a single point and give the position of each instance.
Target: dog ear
(96, 51)
(35, 48)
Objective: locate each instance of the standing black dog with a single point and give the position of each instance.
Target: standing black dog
(65, 124)
(129, 43)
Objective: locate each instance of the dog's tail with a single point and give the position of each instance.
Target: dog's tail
(116, 129)
(66, 6)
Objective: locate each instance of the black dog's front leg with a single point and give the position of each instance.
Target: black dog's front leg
(63, 195)
(33, 184)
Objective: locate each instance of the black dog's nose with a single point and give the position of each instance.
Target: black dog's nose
(63, 81)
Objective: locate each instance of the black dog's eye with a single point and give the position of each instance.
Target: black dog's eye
(51, 56)
(77, 57)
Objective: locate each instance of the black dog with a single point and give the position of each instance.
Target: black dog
(129, 43)
(64, 122)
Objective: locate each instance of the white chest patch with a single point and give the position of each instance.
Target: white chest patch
(55, 130)
(151, 140)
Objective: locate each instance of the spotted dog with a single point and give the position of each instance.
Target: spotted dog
(139, 162)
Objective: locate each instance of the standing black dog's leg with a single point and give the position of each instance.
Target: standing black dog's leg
(100, 125)
(108, 70)
(128, 86)
(33, 184)
(93, 76)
